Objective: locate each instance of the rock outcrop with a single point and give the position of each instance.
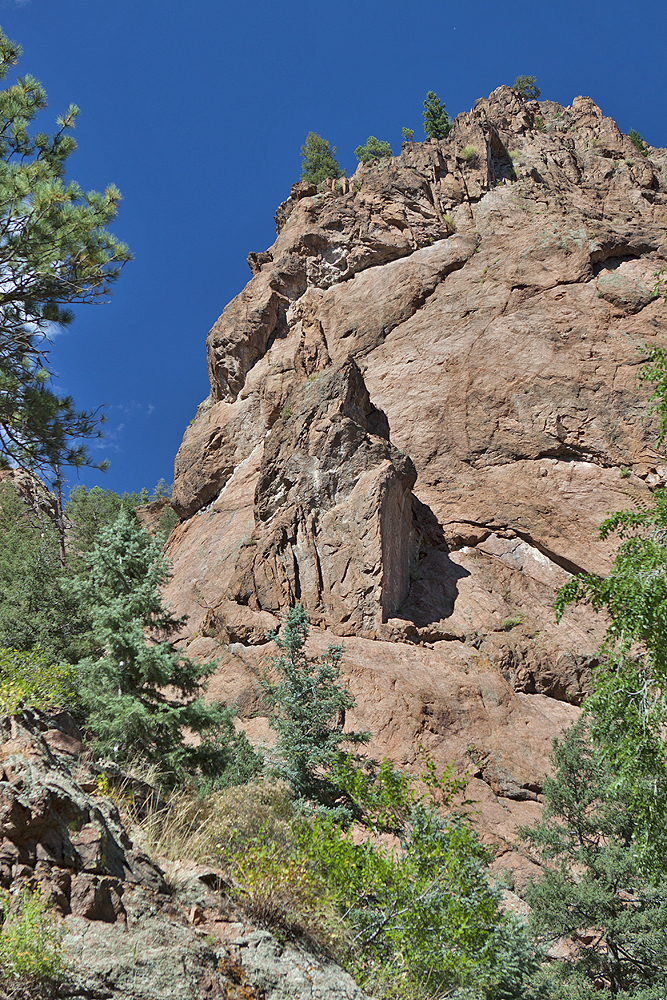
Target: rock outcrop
(473, 311)
(56, 830)
(333, 512)
(126, 932)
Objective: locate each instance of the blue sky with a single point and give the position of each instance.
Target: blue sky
(197, 112)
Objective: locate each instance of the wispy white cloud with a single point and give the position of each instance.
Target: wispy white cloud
(112, 440)
(120, 418)
(131, 409)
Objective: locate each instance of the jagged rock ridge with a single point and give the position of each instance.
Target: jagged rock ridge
(477, 309)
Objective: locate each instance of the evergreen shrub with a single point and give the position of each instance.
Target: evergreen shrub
(319, 160)
(638, 142)
(527, 87)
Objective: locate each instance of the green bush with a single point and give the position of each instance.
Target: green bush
(423, 918)
(373, 151)
(31, 939)
(527, 87)
(285, 891)
(254, 833)
(468, 153)
(30, 680)
(414, 919)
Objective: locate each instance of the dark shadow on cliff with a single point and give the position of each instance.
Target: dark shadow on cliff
(434, 590)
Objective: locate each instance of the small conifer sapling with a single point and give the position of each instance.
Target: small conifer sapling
(527, 87)
(309, 705)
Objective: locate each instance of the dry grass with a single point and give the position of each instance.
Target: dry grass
(212, 829)
(250, 833)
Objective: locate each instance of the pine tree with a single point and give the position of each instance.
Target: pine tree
(436, 120)
(319, 160)
(88, 512)
(638, 142)
(35, 611)
(374, 150)
(527, 87)
(140, 693)
(596, 890)
(55, 251)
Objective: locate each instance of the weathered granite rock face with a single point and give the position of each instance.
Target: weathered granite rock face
(55, 829)
(495, 291)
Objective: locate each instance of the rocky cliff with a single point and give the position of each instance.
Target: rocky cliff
(422, 405)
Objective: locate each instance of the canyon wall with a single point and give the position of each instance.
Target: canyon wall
(422, 405)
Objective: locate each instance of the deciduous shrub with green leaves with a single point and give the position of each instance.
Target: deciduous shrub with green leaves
(286, 891)
(414, 918)
(421, 914)
(31, 680)
(30, 940)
